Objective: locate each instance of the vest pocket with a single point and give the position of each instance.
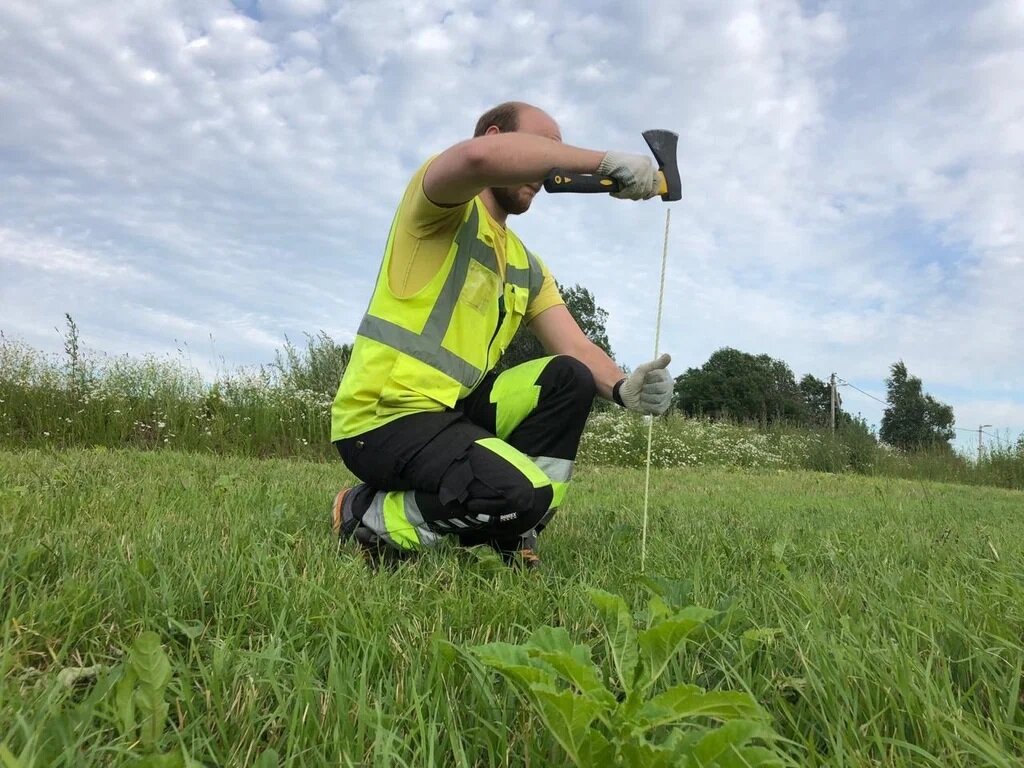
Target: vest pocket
(481, 287)
(516, 299)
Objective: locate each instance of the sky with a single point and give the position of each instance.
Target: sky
(202, 179)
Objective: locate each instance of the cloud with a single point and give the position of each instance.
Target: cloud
(852, 171)
(56, 255)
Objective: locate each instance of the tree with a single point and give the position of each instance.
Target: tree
(738, 385)
(582, 306)
(914, 419)
(817, 402)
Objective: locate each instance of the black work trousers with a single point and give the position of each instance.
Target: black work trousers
(492, 470)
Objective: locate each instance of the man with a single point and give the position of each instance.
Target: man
(443, 446)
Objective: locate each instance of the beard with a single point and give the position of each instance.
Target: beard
(513, 200)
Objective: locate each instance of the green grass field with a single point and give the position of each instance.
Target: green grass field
(892, 613)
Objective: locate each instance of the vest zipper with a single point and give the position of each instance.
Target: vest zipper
(497, 329)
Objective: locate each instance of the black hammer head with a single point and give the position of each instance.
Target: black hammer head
(663, 146)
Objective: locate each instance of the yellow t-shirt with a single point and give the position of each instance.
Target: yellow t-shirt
(423, 236)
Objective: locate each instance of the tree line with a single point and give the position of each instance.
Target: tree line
(742, 387)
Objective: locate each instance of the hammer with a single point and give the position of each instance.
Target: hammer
(663, 146)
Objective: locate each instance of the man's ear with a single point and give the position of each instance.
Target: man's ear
(491, 130)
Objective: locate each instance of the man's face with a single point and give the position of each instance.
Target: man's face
(516, 200)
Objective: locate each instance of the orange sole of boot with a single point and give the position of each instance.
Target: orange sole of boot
(530, 559)
(336, 516)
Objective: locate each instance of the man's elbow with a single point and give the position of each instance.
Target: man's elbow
(457, 174)
(477, 159)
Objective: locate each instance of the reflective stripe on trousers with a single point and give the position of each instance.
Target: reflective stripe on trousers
(395, 516)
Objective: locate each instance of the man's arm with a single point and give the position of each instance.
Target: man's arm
(501, 160)
(560, 334)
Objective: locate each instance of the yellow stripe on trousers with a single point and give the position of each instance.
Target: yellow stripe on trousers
(515, 395)
(517, 459)
(399, 528)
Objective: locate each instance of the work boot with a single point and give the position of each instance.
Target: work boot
(524, 558)
(530, 559)
(345, 526)
(376, 551)
(343, 521)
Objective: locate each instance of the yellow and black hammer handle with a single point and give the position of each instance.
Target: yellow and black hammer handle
(564, 181)
(663, 146)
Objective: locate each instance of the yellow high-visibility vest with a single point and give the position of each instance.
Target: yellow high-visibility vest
(428, 350)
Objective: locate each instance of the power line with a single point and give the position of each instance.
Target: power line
(845, 383)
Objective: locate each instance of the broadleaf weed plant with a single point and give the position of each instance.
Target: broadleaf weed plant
(132, 694)
(621, 716)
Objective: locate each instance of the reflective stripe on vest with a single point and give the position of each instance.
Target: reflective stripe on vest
(534, 280)
(426, 345)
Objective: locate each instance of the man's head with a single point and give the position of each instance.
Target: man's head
(511, 117)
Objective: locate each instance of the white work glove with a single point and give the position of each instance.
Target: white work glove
(636, 174)
(648, 389)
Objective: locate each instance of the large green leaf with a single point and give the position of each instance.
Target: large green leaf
(657, 609)
(553, 646)
(688, 701)
(642, 753)
(152, 668)
(659, 644)
(494, 654)
(723, 742)
(557, 639)
(585, 678)
(154, 717)
(124, 702)
(568, 718)
(620, 633)
(596, 751)
(514, 662)
(149, 662)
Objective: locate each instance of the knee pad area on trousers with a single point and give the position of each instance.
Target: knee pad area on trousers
(516, 508)
(483, 483)
(531, 510)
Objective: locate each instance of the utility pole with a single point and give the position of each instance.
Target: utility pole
(832, 401)
(981, 427)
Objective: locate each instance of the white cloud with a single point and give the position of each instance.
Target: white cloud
(56, 255)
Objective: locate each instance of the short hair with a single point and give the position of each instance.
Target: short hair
(504, 116)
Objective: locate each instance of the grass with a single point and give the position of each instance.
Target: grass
(889, 613)
(84, 399)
